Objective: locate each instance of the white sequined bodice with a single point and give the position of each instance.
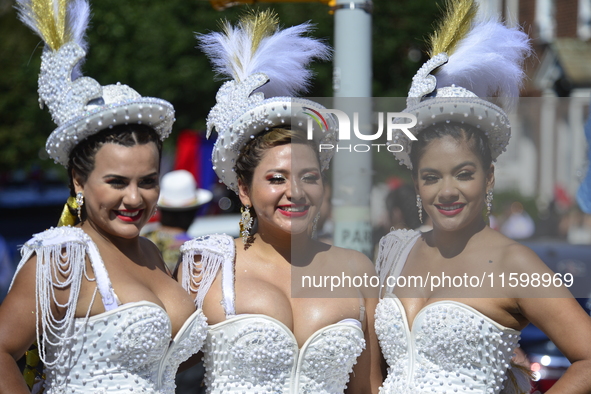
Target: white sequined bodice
(126, 349)
(252, 353)
(450, 348)
(258, 354)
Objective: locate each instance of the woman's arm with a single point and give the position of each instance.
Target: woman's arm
(569, 327)
(367, 373)
(564, 321)
(17, 328)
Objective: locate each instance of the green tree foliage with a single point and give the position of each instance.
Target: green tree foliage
(23, 127)
(400, 29)
(150, 45)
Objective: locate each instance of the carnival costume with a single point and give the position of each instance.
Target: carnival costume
(255, 353)
(452, 347)
(128, 348)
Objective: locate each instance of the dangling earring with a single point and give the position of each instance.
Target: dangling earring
(314, 225)
(245, 225)
(420, 208)
(488, 199)
(80, 203)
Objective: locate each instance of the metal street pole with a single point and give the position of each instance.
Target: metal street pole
(352, 170)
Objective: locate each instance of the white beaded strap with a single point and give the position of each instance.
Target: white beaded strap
(198, 276)
(103, 283)
(61, 263)
(361, 309)
(392, 253)
(228, 290)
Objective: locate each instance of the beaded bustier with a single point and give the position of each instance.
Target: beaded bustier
(450, 348)
(126, 349)
(252, 353)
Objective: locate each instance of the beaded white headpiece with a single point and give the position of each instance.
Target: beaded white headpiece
(475, 59)
(80, 106)
(268, 66)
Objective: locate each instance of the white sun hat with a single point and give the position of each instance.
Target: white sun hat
(179, 191)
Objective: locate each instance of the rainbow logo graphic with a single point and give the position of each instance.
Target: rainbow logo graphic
(317, 116)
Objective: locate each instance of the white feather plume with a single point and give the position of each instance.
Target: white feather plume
(43, 17)
(518, 380)
(283, 57)
(77, 20)
(488, 61)
(26, 15)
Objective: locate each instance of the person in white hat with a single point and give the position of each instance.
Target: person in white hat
(179, 200)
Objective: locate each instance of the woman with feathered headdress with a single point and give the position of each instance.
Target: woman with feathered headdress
(458, 328)
(265, 338)
(97, 297)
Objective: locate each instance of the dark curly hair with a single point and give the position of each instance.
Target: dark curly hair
(475, 138)
(82, 157)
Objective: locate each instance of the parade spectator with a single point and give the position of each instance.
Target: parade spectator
(180, 198)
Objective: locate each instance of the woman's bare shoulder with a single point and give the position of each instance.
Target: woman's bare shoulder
(339, 251)
(512, 252)
(512, 256)
(355, 259)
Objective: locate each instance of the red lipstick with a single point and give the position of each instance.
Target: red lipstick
(450, 209)
(294, 210)
(129, 215)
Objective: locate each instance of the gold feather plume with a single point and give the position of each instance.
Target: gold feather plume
(453, 27)
(259, 25)
(50, 17)
(253, 27)
(257, 45)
